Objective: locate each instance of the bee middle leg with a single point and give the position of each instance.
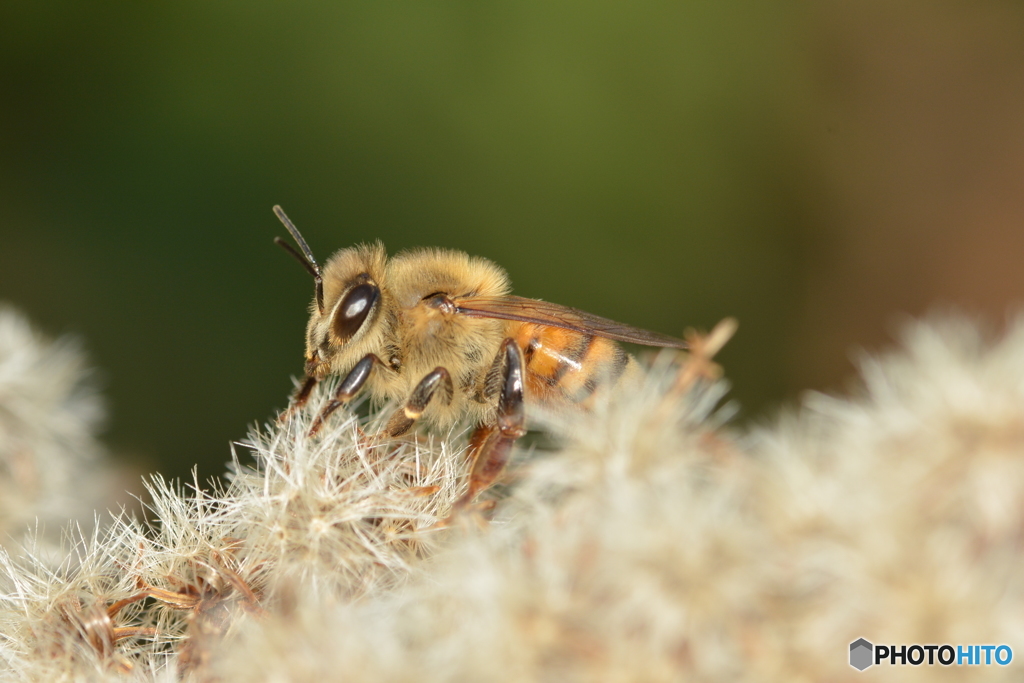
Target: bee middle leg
(403, 419)
(490, 446)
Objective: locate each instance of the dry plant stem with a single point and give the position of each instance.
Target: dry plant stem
(698, 364)
(95, 625)
(704, 347)
(210, 600)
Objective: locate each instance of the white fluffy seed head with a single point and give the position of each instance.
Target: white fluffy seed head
(50, 463)
(649, 542)
(347, 511)
(670, 550)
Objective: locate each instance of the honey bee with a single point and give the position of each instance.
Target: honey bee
(439, 329)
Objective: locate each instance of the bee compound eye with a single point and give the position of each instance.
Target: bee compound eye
(351, 313)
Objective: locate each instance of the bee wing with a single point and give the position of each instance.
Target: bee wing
(555, 315)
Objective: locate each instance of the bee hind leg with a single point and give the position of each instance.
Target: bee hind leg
(348, 388)
(491, 444)
(403, 419)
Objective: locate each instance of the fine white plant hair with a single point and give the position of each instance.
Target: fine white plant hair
(649, 541)
(52, 469)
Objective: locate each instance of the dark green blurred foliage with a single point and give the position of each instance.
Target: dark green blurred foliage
(644, 161)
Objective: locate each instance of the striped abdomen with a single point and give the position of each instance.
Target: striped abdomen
(568, 367)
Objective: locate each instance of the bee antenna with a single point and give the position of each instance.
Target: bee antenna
(308, 261)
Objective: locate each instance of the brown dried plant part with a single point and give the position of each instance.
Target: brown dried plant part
(697, 363)
(95, 625)
(704, 347)
(211, 596)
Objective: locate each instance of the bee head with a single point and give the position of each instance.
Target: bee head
(347, 328)
(346, 306)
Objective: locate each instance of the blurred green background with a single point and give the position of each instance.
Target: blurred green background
(816, 169)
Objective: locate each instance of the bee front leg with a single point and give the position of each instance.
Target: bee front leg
(348, 388)
(301, 396)
(403, 420)
(491, 445)
(304, 391)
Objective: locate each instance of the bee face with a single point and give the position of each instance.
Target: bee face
(354, 300)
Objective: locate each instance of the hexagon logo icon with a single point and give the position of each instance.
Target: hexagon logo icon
(861, 652)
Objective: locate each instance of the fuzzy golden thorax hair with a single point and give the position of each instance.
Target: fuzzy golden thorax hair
(376, 305)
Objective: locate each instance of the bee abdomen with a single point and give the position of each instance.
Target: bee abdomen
(565, 366)
(603, 366)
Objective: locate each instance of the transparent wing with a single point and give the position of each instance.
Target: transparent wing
(555, 315)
